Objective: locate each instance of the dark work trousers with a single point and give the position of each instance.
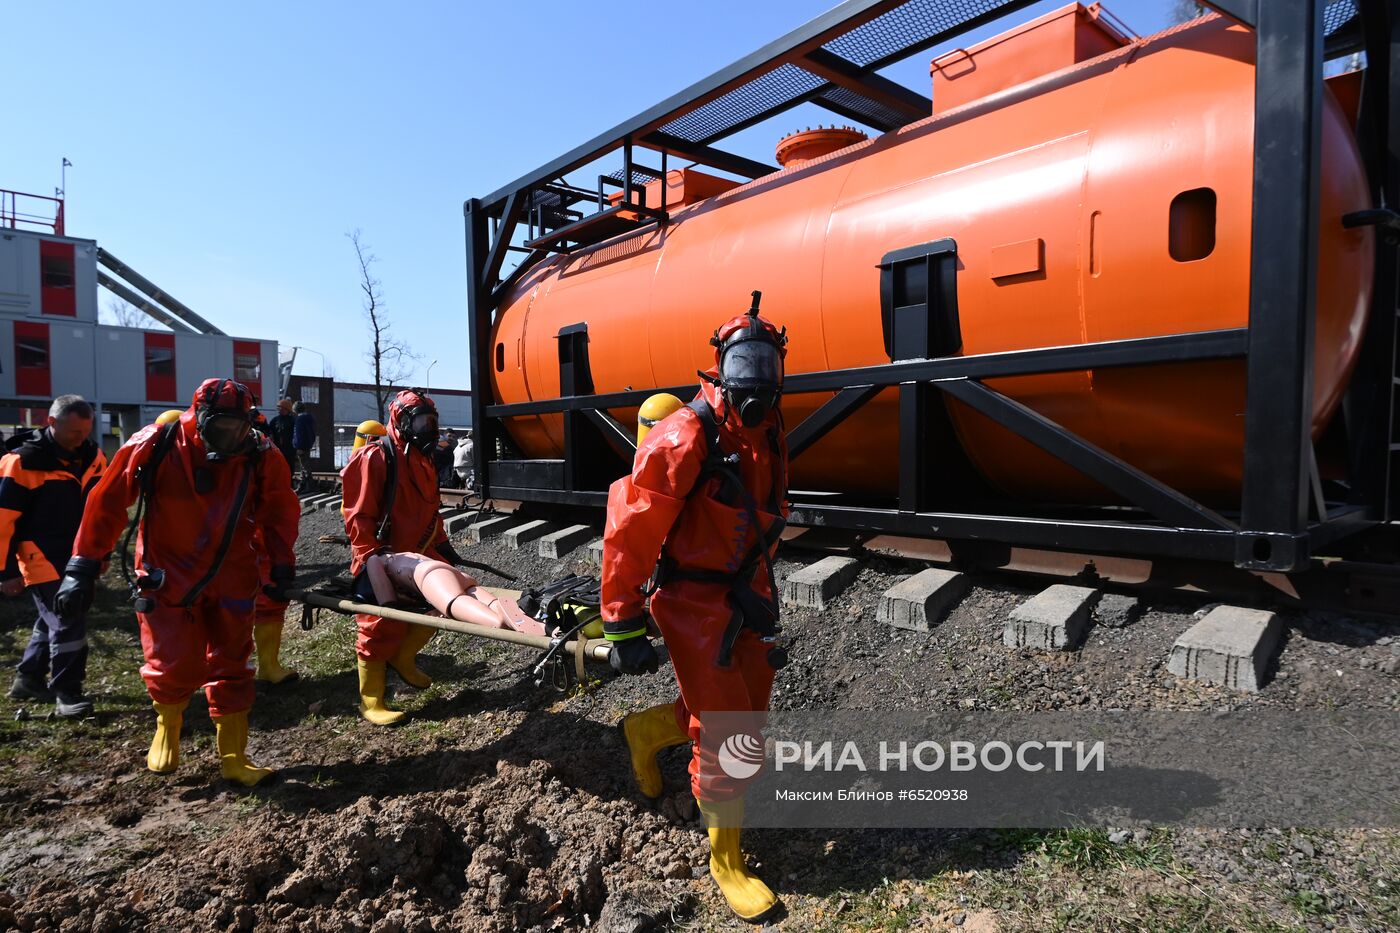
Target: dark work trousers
(57, 643)
(304, 461)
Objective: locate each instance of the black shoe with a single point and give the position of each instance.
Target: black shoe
(73, 704)
(30, 687)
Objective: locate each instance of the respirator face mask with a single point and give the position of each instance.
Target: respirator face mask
(420, 428)
(224, 432)
(751, 374)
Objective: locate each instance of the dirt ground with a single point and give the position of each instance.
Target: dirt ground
(506, 806)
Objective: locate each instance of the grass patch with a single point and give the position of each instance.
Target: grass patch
(1080, 849)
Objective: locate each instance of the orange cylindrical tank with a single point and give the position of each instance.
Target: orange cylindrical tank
(1109, 200)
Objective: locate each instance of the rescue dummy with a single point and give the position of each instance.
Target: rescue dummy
(705, 507)
(451, 592)
(391, 504)
(207, 484)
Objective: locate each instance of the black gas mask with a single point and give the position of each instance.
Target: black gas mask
(418, 426)
(751, 366)
(225, 432)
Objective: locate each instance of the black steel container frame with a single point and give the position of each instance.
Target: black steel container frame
(1283, 520)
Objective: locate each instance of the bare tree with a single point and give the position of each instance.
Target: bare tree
(1183, 11)
(123, 313)
(391, 359)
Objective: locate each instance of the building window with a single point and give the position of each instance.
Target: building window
(32, 364)
(57, 294)
(247, 365)
(160, 362)
(160, 367)
(246, 368)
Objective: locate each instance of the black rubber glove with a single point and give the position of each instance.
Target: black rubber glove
(283, 577)
(633, 656)
(632, 652)
(79, 584)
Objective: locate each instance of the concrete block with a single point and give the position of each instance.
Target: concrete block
(817, 584)
(595, 552)
(478, 532)
(922, 600)
(1230, 646)
(1055, 618)
(460, 522)
(1115, 610)
(558, 543)
(523, 534)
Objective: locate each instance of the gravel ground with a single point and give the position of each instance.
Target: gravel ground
(504, 806)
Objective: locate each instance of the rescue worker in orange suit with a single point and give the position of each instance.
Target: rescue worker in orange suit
(412, 524)
(43, 485)
(705, 506)
(270, 614)
(207, 484)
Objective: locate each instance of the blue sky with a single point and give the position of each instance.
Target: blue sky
(224, 150)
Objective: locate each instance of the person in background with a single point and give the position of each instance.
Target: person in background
(442, 460)
(44, 484)
(303, 439)
(463, 460)
(280, 429)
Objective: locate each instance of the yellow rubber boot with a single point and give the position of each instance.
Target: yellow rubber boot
(748, 897)
(164, 756)
(372, 706)
(405, 662)
(267, 636)
(647, 733)
(231, 737)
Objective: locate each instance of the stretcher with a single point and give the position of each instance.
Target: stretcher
(562, 644)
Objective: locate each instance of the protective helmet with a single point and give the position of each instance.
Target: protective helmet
(653, 410)
(413, 420)
(749, 353)
(169, 416)
(223, 416)
(368, 431)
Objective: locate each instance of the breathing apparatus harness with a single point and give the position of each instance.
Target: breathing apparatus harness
(566, 607)
(153, 578)
(749, 609)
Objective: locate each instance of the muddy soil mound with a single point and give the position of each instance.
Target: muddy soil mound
(518, 850)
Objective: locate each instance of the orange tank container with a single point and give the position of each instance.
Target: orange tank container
(1104, 201)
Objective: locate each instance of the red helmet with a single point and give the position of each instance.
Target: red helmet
(749, 353)
(755, 327)
(223, 416)
(413, 419)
